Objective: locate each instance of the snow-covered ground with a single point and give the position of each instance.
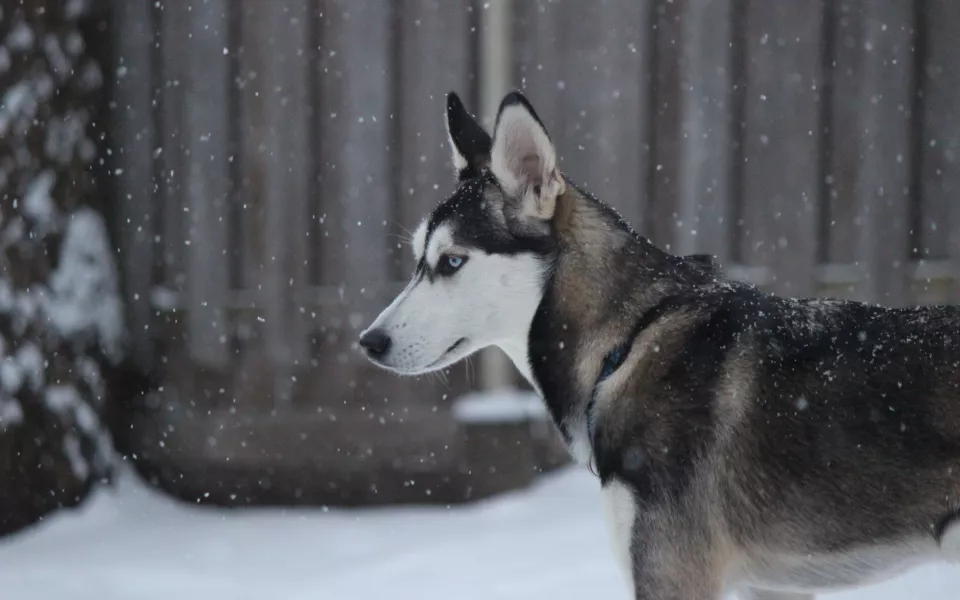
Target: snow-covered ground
(134, 544)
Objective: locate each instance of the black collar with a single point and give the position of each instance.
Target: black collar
(617, 355)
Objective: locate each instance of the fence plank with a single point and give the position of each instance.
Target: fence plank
(604, 95)
(276, 151)
(207, 185)
(135, 139)
(842, 162)
(781, 172)
(940, 145)
(538, 45)
(287, 170)
(665, 123)
(885, 104)
(174, 31)
(434, 44)
(356, 171)
(933, 235)
(706, 140)
(253, 48)
(327, 246)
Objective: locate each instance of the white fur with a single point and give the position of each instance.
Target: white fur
(440, 243)
(620, 510)
(420, 240)
(459, 160)
(579, 445)
(491, 300)
(950, 543)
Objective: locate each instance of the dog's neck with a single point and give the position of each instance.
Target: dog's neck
(599, 253)
(601, 276)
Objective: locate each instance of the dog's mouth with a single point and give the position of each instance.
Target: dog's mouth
(446, 353)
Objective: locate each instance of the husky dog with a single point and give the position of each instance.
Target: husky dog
(744, 442)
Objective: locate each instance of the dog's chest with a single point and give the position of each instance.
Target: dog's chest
(578, 440)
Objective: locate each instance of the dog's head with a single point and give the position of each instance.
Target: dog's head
(483, 253)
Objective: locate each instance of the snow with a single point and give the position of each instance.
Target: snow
(11, 413)
(11, 376)
(20, 37)
(549, 542)
(65, 401)
(17, 102)
(26, 362)
(75, 8)
(64, 135)
(59, 62)
(37, 202)
(499, 406)
(163, 298)
(31, 362)
(83, 299)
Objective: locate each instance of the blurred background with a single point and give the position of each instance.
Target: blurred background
(204, 201)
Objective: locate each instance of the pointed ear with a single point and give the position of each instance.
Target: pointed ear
(469, 142)
(524, 160)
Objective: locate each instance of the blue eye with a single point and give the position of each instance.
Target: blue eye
(450, 263)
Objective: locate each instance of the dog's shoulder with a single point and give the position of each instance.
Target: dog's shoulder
(707, 263)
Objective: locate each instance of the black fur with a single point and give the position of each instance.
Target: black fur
(465, 210)
(471, 141)
(552, 367)
(659, 464)
(516, 98)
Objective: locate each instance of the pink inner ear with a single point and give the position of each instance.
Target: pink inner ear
(530, 168)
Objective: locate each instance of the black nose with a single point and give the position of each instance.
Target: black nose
(375, 342)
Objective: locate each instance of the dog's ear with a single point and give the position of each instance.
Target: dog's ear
(524, 160)
(469, 142)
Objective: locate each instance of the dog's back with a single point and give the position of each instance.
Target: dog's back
(854, 425)
(828, 432)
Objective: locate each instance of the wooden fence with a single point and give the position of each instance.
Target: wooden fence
(271, 156)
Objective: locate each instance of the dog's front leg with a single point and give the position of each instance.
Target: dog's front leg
(664, 570)
(662, 558)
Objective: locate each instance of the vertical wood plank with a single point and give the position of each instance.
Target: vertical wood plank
(135, 139)
(252, 96)
(604, 101)
(885, 109)
(356, 85)
(706, 141)
(327, 236)
(174, 35)
(781, 171)
(666, 120)
(434, 51)
(494, 48)
(842, 162)
(278, 199)
(207, 186)
(538, 45)
(287, 171)
(940, 143)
